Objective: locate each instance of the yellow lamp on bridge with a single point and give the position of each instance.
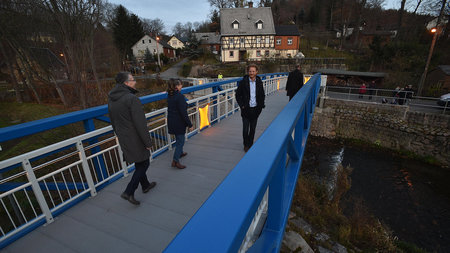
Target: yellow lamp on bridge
(306, 79)
(204, 112)
(278, 84)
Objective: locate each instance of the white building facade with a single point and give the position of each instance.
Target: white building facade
(145, 43)
(247, 34)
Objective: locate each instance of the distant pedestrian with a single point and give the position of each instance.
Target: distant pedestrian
(401, 96)
(362, 90)
(219, 76)
(130, 125)
(250, 96)
(395, 94)
(177, 119)
(294, 82)
(409, 93)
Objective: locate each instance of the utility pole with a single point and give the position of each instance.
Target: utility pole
(157, 51)
(435, 32)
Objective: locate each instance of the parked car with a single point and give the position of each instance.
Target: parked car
(444, 100)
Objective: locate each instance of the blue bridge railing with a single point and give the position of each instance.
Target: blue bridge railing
(263, 181)
(39, 185)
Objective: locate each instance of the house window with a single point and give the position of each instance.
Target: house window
(231, 54)
(278, 41)
(258, 53)
(149, 41)
(143, 41)
(174, 43)
(267, 40)
(242, 41)
(235, 24)
(231, 42)
(258, 40)
(266, 53)
(259, 25)
(289, 41)
(289, 55)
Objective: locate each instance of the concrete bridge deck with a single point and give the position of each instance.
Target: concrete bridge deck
(107, 223)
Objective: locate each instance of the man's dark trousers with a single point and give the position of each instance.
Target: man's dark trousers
(249, 120)
(139, 176)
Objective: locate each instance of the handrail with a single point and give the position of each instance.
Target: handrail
(37, 126)
(54, 181)
(222, 222)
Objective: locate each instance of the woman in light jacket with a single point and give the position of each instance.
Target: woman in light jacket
(177, 119)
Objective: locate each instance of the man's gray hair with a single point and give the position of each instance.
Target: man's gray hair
(122, 77)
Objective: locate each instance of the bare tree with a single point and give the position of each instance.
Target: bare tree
(153, 26)
(240, 3)
(375, 4)
(76, 22)
(220, 4)
(400, 13)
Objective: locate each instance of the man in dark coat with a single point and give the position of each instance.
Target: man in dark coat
(250, 97)
(294, 82)
(130, 125)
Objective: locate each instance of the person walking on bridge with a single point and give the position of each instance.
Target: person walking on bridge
(177, 119)
(130, 125)
(250, 96)
(294, 82)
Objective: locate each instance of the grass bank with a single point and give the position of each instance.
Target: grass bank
(358, 230)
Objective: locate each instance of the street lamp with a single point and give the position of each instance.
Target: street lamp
(157, 51)
(435, 32)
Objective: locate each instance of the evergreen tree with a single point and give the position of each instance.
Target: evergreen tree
(136, 31)
(148, 57)
(121, 29)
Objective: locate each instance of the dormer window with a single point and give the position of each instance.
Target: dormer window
(259, 24)
(235, 24)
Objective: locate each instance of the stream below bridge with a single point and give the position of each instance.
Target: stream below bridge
(411, 197)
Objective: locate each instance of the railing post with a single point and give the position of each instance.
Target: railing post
(87, 172)
(218, 107)
(101, 170)
(233, 100)
(37, 190)
(209, 114)
(167, 130)
(197, 117)
(226, 104)
(122, 162)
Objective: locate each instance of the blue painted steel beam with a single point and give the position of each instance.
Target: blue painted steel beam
(237, 198)
(37, 126)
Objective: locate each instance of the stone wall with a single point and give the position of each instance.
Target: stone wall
(390, 126)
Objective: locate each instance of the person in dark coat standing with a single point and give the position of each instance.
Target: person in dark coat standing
(130, 125)
(177, 119)
(250, 96)
(294, 82)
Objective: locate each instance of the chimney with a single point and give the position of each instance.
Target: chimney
(250, 4)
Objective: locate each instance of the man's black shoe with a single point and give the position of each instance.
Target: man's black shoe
(150, 186)
(130, 199)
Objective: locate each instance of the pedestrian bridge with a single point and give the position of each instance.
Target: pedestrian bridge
(66, 197)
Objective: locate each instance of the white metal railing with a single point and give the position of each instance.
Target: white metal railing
(48, 180)
(387, 96)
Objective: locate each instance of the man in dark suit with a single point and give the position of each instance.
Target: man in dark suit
(130, 125)
(294, 82)
(250, 96)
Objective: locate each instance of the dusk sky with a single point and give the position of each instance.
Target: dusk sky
(173, 11)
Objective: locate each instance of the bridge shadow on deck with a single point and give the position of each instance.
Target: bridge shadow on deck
(107, 223)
